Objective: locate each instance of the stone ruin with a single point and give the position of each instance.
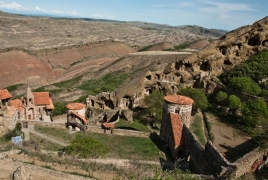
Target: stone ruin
(206, 160)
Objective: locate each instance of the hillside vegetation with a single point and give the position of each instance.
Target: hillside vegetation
(244, 100)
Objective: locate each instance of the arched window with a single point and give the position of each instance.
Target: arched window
(31, 101)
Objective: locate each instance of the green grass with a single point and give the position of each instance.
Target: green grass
(57, 133)
(198, 130)
(136, 125)
(40, 89)
(13, 87)
(126, 147)
(45, 144)
(68, 83)
(108, 82)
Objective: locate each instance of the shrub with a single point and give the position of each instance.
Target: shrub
(59, 108)
(198, 95)
(245, 85)
(154, 103)
(254, 112)
(264, 93)
(234, 102)
(221, 97)
(255, 68)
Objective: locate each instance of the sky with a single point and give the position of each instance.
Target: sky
(217, 14)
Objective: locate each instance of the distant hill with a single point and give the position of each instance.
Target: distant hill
(68, 47)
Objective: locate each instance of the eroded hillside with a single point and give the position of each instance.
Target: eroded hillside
(41, 50)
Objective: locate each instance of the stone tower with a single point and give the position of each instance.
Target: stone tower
(176, 112)
(29, 97)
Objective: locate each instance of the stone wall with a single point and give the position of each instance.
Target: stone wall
(245, 163)
(120, 132)
(204, 160)
(207, 160)
(10, 122)
(96, 129)
(46, 124)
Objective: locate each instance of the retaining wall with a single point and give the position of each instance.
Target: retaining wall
(203, 160)
(96, 129)
(245, 163)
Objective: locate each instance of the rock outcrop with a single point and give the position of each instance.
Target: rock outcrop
(197, 70)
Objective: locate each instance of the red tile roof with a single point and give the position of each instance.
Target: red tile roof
(51, 105)
(41, 98)
(5, 94)
(17, 103)
(178, 99)
(80, 117)
(177, 127)
(75, 106)
(108, 125)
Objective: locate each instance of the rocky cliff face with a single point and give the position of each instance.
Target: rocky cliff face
(199, 69)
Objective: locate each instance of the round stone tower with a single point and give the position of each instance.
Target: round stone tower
(76, 116)
(177, 104)
(181, 105)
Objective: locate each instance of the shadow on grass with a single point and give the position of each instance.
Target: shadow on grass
(161, 145)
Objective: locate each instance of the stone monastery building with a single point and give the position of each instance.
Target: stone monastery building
(31, 106)
(76, 116)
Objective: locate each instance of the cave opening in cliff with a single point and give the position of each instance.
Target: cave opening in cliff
(188, 67)
(109, 104)
(227, 62)
(149, 77)
(265, 42)
(254, 41)
(205, 66)
(128, 102)
(223, 50)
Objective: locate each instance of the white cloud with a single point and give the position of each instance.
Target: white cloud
(74, 13)
(40, 9)
(18, 7)
(12, 5)
(108, 16)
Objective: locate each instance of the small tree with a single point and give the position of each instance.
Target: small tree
(154, 103)
(254, 112)
(246, 85)
(60, 108)
(221, 97)
(198, 95)
(234, 102)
